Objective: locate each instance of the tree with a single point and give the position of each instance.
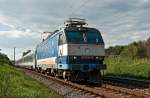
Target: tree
(130, 51)
(139, 49)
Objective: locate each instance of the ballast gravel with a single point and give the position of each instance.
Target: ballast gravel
(62, 89)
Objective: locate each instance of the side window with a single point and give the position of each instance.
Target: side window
(61, 39)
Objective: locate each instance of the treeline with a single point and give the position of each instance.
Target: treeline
(139, 49)
(4, 59)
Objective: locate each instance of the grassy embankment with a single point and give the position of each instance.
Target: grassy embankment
(15, 84)
(127, 67)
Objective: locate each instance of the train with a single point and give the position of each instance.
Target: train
(75, 52)
(27, 60)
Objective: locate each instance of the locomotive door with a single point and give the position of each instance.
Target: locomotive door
(61, 42)
(60, 47)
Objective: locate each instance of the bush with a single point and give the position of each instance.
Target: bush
(4, 59)
(126, 67)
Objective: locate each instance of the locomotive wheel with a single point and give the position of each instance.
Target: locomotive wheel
(64, 74)
(56, 75)
(43, 72)
(52, 72)
(66, 77)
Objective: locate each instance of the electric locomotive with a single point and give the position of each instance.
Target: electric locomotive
(75, 52)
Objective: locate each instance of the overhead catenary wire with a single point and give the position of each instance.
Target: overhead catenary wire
(74, 7)
(73, 11)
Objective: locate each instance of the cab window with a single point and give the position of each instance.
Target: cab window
(91, 36)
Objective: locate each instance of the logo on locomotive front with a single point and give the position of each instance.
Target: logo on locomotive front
(60, 52)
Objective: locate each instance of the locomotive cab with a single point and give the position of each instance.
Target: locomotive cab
(81, 51)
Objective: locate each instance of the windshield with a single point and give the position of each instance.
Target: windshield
(91, 36)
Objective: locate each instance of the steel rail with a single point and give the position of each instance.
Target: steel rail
(106, 91)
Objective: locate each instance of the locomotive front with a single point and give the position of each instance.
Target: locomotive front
(83, 51)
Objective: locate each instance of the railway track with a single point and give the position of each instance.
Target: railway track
(91, 91)
(127, 82)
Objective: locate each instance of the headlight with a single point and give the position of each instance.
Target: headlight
(98, 58)
(74, 57)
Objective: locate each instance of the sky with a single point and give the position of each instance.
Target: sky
(23, 21)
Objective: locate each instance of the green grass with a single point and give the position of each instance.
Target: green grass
(17, 85)
(126, 67)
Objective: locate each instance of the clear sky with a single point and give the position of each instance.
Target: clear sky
(120, 21)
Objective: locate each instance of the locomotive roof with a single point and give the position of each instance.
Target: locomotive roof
(53, 33)
(72, 24)
(75, 22)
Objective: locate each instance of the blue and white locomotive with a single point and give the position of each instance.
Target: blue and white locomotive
(75, 52)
